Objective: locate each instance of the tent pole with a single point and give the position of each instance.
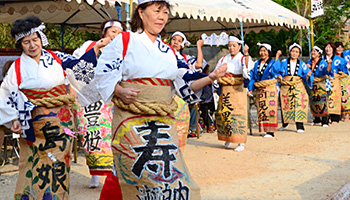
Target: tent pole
(118, 8)
(127, 9)
(309, 38)
(242, 35)
(62, 33)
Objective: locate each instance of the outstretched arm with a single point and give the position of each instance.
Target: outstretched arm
(217, 73)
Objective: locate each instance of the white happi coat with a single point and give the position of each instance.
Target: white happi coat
(47, 74)
(143, 59)
(236, 65)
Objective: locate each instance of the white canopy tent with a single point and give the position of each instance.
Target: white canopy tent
(195, 16)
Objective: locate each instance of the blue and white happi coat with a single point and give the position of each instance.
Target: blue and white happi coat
(45, 75)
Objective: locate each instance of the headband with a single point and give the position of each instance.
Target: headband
(113, 23)
(267, 46)
(318, 49)
(33, 30)
(145, 1)
(184, 42)
(294, 45)
(234, 39)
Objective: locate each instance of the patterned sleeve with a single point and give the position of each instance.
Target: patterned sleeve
(86, 62)
(13, 103)
(108, 71)
(182, 84)
(306, 70)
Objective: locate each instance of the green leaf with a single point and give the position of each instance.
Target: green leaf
(36, 161)
(35, 180)
(30, 159)
(29, 174)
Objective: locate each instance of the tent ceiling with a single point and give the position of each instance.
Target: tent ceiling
(195, 16)
(59, 11)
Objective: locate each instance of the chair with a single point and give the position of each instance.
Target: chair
(14, 142)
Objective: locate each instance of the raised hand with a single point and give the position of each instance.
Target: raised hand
(218, 72)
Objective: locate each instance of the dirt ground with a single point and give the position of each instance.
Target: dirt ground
(310, 165)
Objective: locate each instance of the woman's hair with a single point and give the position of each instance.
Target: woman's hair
(23, 26)
(104, 30)
(136, 21)
(332, 45)
(337, 44)
(6, 67)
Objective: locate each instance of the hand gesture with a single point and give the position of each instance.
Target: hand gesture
(103, 42)
(246, 49)
(16, 127)
(200, 43)
(278, 54)
(127, 95)
(218, 72)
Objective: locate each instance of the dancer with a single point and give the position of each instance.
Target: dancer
(232, 116)
(34, 99)
(338, 66)
(140, 69)
(294, 99)
(263, 79)
(344, 81)
(94, 121)
(319, 93)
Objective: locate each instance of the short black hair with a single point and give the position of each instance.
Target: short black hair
(337, 44)
(24, 25)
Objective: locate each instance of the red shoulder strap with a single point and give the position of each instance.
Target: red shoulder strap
(184, 55)
(18, 70)
(171, 48)
(126, 38)
(90, 46)
(57, 59)
(242, 59)
(222, 59)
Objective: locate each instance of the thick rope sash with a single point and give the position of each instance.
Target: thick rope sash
(265, 83)
(296, 80)
(148, 108)
(231, 79)
(50, 98)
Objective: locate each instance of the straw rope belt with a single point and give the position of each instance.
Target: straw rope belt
(296, 81)
(147, 108)
(320, 79)
(51, 102)
(342, 75)
(231, 81)
(265, 83)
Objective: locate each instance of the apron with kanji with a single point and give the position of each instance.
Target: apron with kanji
(345, 88)
(145, 145)
(319, 98)
(294, 99)
(44, 163)
(335, 96)
(232, 116)
(267, 105)
(182, 116)
(94, 125)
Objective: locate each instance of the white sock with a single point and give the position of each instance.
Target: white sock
(94, 181)
(227, 144)
(240, 147)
